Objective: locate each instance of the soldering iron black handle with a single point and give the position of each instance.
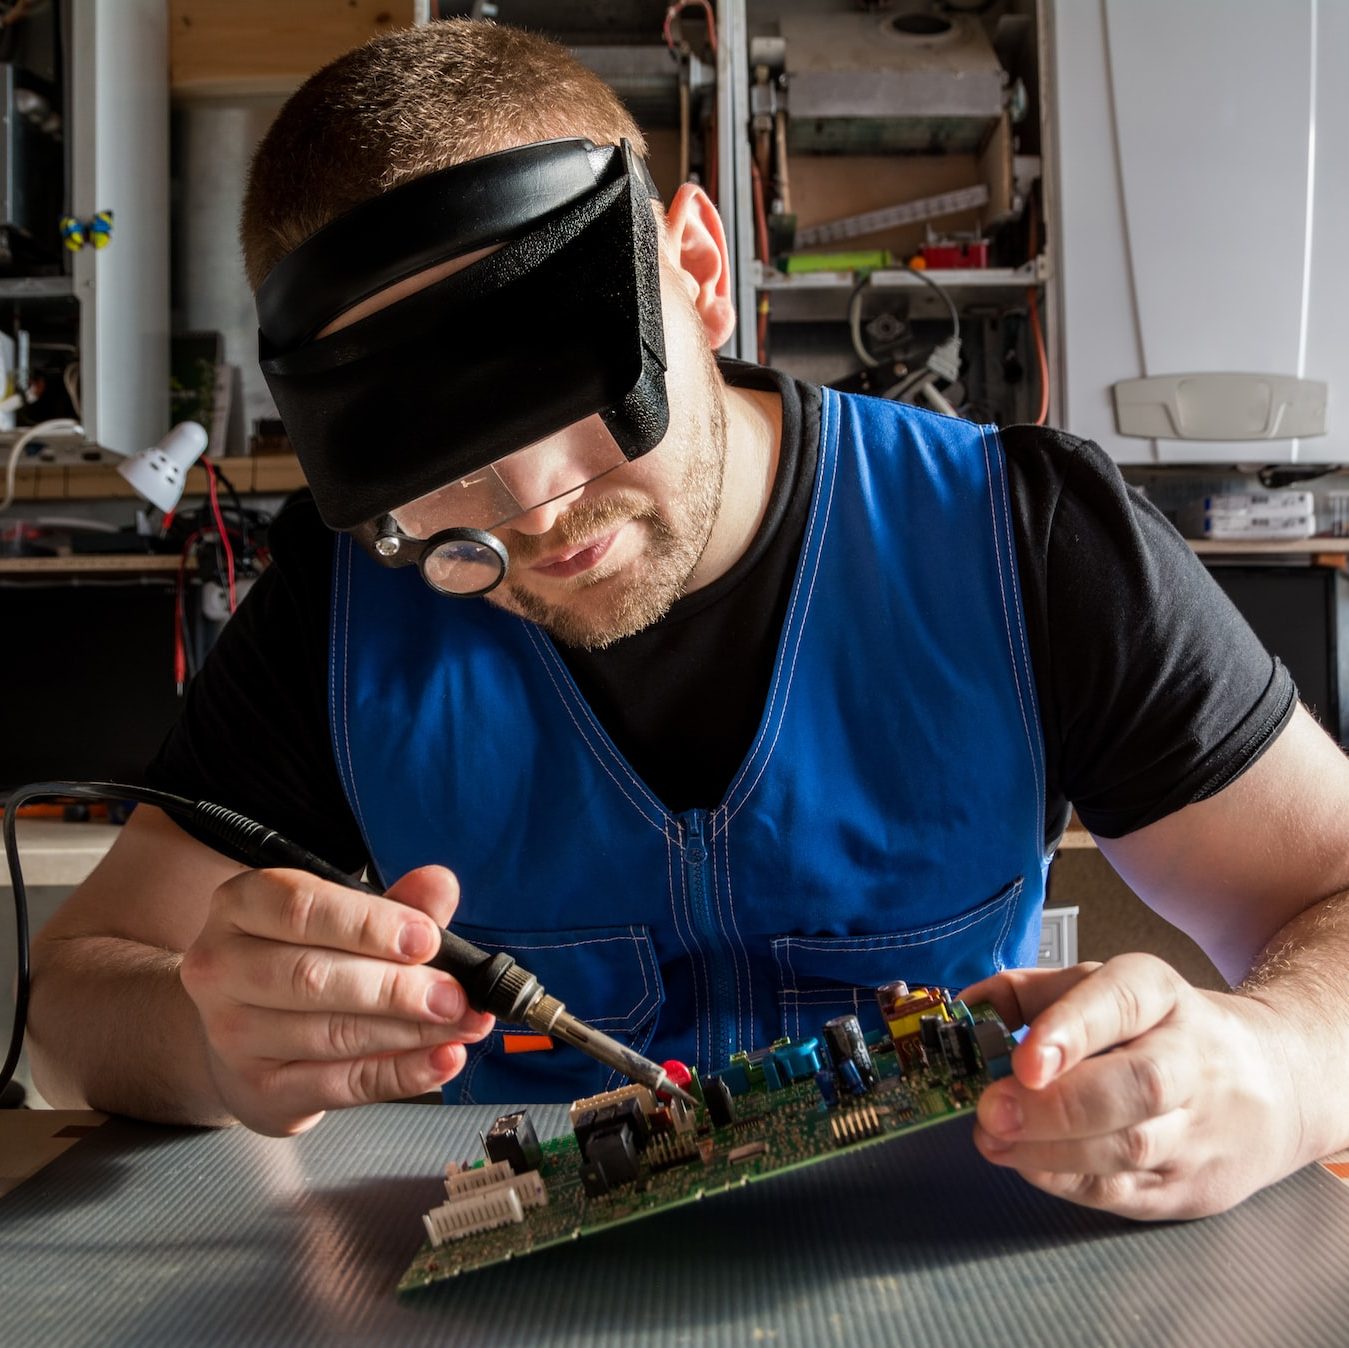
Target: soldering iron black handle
(492, 983)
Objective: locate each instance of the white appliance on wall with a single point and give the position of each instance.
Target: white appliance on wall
(119, 162)
(1200, 204)
(97, 320)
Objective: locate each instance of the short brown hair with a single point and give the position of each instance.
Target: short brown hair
(408, 103)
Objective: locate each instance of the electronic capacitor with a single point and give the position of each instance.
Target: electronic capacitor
(846, 1043)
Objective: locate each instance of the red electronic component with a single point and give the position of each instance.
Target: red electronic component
(678, 1074)
(955, 255)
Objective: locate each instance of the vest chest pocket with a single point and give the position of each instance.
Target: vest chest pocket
(820, 977)
(607, 976)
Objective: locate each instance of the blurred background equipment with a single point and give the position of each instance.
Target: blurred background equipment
(906, 138)
(84, 238)
(876, 166)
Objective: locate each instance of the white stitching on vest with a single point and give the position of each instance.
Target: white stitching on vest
(674, 915)
(726, 936)
(829, 404)
(792, 995)
(744, 1030)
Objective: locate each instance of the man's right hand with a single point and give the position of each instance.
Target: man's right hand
(314, 996)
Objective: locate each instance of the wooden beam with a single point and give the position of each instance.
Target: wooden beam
(255, 47)
(270, 474)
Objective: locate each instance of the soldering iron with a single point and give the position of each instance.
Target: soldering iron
(492, 983)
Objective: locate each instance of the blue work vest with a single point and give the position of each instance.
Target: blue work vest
(887, 821)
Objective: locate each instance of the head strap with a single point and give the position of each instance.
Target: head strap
(431, 219)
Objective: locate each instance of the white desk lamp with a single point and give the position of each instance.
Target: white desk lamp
(159, 473)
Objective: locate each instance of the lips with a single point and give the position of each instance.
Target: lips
(575, 560)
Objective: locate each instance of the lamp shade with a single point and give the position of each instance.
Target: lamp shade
(159, 473)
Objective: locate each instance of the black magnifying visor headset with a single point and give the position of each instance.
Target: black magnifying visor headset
(495, 390)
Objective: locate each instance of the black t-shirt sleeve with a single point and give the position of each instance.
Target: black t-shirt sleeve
(1153, 690)
(253, 734)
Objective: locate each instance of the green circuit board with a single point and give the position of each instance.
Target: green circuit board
(773, 1128)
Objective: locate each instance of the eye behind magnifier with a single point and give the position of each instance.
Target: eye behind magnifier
(460, 562)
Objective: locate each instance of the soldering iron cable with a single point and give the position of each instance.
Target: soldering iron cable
(493, 983)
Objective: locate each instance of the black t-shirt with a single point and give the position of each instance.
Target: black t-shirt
(1153, 690)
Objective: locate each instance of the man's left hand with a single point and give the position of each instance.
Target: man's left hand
(1135, 1092)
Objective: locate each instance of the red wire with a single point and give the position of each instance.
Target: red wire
(710, 17)
(1033, 309)
(761, 235)
(179, 649)
(1042, 359)
(678, 8)
(179, 653)
(224, 533)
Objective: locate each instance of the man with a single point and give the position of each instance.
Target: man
(773, 694)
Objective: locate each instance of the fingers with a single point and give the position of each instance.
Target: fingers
(1064, 1085)
(296, 977)
(432, 890)
(1144, 1195)
(289, 941)
(315, 996)
(1114, 1004)
(301, 909)
(1152, 1144)
(285, 1036)
(1075, 1119)
(296, 1095)
(1114, 1091)
(1136, 1093)
(1019, 995)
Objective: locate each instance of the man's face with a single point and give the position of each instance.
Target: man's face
(609, 558)
(604, 560)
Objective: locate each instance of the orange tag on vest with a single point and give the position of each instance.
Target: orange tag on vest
(526, 1043)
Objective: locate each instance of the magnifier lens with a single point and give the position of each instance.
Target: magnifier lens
(518, 482)
(464, 562)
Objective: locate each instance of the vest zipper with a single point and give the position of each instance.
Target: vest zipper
(698, 877)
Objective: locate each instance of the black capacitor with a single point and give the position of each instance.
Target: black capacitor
(718, 1099)
(929, 1030)
(512, 1138)
(993, 1049)
(610, 1160)
(958, 1044)
(846, 1043)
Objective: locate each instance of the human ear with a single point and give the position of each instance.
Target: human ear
(696, 242)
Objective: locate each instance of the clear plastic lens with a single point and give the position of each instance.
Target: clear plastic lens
(462, 566)
(519, 482)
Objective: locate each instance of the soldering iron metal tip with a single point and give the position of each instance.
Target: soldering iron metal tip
(667, 1087)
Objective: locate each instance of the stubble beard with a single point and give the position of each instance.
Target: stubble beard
(612, 605)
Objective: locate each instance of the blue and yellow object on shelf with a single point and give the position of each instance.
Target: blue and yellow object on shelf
(77, 234)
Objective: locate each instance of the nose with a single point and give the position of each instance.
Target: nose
(542, 518)
(547, 476)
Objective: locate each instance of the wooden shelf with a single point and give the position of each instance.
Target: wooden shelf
(100, 564)
(822, 296)
(266, 474)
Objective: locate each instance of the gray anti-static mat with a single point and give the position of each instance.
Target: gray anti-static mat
(144, 1236)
